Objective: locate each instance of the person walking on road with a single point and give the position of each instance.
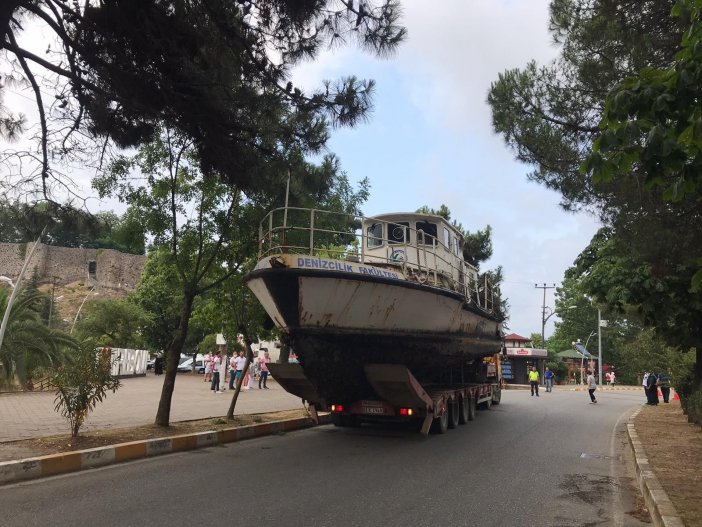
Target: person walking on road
(534, 381)
(548, 380)
(664, 385)
(644, 383)
(591, 386)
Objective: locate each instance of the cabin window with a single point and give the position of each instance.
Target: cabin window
(447, 239)
(457, 246)
(429, 230)
(397, 232)
(375, 235)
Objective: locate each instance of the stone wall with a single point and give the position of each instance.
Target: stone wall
(104, 267)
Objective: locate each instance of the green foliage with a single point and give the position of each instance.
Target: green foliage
(558, 368)
(477, 246)
(29, 344)
(220, 72)
(209, 344)
(116, 323)
(67, 226)
(83, 383)
(549, 114)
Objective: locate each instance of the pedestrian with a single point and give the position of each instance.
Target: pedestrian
(240, 364)
(611, 378)
(252, 370)
(608, 378)
(644, 383)
(534, 381)
(215, 374)
(208, 368)
(158, 365)
(232, 370)
(652, 389)
(548, 380)
(664, 385)
(263, 366)
(591, 386)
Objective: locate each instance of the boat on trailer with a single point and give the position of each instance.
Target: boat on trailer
(348, 292)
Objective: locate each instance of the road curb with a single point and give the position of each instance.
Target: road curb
(662, 510)
(65, 462)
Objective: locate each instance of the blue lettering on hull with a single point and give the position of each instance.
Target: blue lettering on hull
(336, 265)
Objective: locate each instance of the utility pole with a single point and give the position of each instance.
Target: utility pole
(543, 310)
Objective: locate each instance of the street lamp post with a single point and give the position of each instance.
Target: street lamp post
(15, 288)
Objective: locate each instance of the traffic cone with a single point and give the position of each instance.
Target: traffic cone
(659, 393)
(676, 397)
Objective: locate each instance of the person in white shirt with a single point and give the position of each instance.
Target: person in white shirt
(232, 371)
(240, 363)
(215, 374)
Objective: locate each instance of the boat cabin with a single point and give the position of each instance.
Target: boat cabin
(427, 246)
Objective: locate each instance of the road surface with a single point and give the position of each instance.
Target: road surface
(554, 460)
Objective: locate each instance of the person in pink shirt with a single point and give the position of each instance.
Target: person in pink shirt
(263, 366)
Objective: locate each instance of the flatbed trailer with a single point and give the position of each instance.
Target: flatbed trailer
(401, 398)
(404, 399)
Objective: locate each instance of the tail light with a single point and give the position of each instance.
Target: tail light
(338, 408)
(406, 411)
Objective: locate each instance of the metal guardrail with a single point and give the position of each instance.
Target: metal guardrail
(339, 236)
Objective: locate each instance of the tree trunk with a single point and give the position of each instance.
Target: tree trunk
(163, 415)
(237, 389)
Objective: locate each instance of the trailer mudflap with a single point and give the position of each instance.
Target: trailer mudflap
(395, 384)
(292, 379)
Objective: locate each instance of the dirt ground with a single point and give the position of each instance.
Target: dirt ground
(674, 450)
(27, 448)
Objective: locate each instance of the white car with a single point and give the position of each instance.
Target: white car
(186, 366)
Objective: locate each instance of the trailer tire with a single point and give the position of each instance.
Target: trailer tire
(497, 395)
(485, 405)
(452, 410)
(471, 408)
(440, 424)
(463, 410)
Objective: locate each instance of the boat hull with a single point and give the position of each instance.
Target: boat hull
(338, 320)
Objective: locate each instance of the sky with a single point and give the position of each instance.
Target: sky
(429, 140)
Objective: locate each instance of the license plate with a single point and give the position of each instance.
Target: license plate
(373, 410)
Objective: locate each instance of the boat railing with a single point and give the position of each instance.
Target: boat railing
(339, 236)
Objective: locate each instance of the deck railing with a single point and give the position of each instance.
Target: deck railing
(339, 236)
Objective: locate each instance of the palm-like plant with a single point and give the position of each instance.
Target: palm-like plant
(28, 340)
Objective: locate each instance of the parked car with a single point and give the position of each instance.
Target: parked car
(186, 365)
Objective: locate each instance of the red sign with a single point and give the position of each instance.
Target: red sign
(522, 352)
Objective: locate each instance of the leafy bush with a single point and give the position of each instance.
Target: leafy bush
(82, 383)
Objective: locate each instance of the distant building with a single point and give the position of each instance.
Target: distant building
(518, 357)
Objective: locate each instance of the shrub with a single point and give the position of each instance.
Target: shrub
(82, 383)
(694, 407)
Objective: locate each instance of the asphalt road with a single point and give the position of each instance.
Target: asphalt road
(553, 460)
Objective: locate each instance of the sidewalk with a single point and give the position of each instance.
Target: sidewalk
(32, 415)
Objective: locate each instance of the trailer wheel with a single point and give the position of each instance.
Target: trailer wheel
(440, 424)
(497, 395)
(452, 410)
(485, 405)
(471, 408)
(463, 410)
